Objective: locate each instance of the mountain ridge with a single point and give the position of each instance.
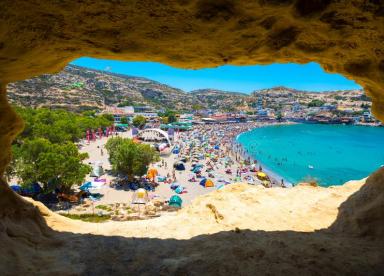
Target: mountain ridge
(79, 88)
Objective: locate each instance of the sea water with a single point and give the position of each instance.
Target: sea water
(331, 154)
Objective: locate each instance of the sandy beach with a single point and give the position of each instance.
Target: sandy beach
(228, 157)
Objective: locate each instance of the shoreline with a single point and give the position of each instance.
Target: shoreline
(275, 177)
(215, 147)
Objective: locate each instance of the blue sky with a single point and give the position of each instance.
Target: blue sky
(230, 78)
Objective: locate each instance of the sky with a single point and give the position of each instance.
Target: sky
(244, 79)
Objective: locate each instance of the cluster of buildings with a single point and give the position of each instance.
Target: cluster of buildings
(321, 110)
(327, 113)
(129, 112)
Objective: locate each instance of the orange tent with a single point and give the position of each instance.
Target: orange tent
(209, 183)
(151, 174)
(206, 183)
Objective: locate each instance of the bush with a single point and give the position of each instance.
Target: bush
(88, 217)
(104, 207)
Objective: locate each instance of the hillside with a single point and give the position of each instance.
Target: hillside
(220, 100)
(78, 88)
(278, 97)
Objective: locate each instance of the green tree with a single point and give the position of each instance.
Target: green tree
(316, 103)
(168, 116)
(172, 118)
(125, 103)
(59, 126)
(124, 120)
(89, 113)
(108, 117)
(129, 158)
(279, 116)
(42, 161)
(139, 121)
(197, 107)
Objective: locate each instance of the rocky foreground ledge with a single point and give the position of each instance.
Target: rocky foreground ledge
(241, 229)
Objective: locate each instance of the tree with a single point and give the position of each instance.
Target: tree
(125, 103)
(59, 126)
(172, 118)
(42, 161)
(168, 116)
(279, 116)
(124, 120)
(89, 113)
(129, 158)
(108, 117)
(139, 121)
(197, 107)
(316, 103)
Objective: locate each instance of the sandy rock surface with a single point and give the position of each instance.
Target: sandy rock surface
(241, 229)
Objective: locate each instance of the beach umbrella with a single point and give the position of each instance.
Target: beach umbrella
(261, 175)
(266, 183)
(140, 196)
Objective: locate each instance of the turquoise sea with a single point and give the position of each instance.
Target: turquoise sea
(333, 154)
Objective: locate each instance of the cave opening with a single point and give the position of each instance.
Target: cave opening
(38, 37)
(313, 113)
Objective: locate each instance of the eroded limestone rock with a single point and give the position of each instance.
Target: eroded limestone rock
(39, 36)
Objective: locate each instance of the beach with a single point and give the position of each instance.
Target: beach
(213, 147)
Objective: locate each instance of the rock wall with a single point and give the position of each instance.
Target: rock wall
(363, 212)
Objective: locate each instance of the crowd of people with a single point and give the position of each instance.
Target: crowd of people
(212, 153)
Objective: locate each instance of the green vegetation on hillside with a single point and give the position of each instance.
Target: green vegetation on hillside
(316, 103)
